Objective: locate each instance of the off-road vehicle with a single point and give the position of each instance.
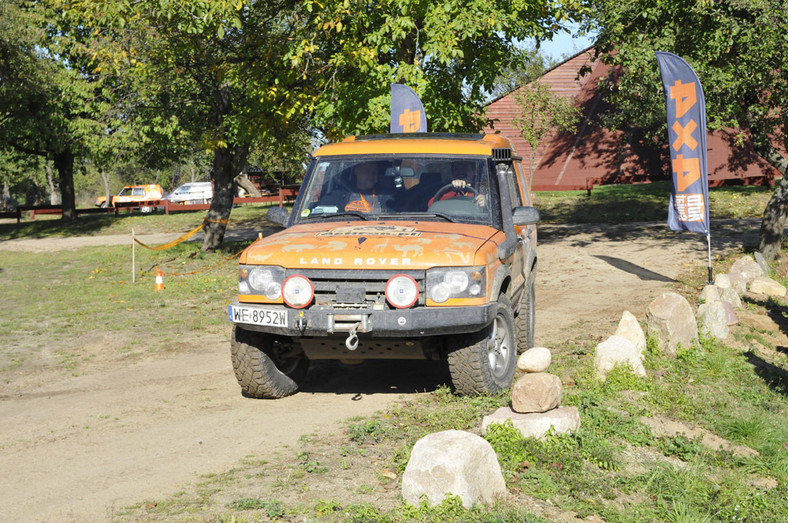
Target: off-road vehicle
(414, 246)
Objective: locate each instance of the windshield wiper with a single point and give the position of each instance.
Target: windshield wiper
(417, 215)
(335, 214)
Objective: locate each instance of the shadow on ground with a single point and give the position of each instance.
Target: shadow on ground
(375, 377)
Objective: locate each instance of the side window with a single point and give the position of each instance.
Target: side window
(138, 191)
(514, 188)
(523, 183)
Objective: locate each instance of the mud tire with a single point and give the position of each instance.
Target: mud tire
(262, 366)
(526, 316)
(484, 362)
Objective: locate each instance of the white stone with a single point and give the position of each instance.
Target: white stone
(671, 321)
(536, 359)
(536, 392)
(767, 287)
(730, 295)
(629, 328)
(562, 420)
(709, 293)
(452, 462)
(618, 351)
(761, 261)
(713, 319)
(723, 281)
(743, 271)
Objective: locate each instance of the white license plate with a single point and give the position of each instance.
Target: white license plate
(258, 316)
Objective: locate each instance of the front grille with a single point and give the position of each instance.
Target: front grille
(355, 289)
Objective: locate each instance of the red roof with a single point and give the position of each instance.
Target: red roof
(594, 156)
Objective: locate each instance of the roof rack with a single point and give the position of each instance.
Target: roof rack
(418, 136)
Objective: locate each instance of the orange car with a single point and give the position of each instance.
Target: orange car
(134, 193)
(416, 246)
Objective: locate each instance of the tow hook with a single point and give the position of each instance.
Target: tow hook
(300, 323)
(352, 338)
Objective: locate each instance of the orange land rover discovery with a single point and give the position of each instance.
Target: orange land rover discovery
(417, 246)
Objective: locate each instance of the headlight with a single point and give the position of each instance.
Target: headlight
(297, 291)
(402, 291)
(265, 280)
(444, 283)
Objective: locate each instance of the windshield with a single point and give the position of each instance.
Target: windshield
(415, 187)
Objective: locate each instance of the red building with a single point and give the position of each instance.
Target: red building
(595, 156)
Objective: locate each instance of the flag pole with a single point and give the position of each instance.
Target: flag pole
(708, 242)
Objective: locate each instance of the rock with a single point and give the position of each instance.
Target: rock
(618, 351)
(709, 294)
(671, 321)
(630, 329)
(761, 261)
(730, 295)
(766, 286)
(452, 462)
(730, 315)
(713, 320)
(745, 269)
(536, 392)
(562, 420)
(738, 283)
(536, 359)
(722, 281)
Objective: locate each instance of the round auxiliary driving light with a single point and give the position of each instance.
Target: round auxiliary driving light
(402, 291)
(297, 291)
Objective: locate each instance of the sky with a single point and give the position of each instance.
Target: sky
(565, 44)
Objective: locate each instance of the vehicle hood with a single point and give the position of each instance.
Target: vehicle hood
(377, 245)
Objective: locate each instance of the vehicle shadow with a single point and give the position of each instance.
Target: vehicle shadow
(375, 377)
(637, 270)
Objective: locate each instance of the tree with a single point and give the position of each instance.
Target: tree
(739, 49)
(50, 104)
(451, 53)
(541, 114)
(210, 73)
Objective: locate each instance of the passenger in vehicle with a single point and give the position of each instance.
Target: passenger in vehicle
(366, 195)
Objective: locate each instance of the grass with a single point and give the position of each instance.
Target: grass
(615, 467)
(646, 202)
(51, 226)
(72, 304)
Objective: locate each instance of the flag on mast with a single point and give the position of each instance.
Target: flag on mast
(686, 108)
(407, 112)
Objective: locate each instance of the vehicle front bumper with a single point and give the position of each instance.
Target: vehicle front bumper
(420, 321)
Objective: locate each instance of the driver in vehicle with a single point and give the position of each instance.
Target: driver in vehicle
(463, 176)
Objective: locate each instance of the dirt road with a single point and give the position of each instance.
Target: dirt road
(80, 448)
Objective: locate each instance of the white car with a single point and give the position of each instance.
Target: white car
(194, 192)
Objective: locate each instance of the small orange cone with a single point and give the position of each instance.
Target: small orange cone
(159, 281)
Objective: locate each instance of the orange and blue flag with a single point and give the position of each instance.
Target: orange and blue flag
(407, 112)
(689, 199)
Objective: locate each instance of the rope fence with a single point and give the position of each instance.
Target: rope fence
(173, 243)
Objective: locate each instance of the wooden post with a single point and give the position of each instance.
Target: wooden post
(133, 259)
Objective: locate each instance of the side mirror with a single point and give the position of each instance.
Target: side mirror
(525, 216)
(278, 215)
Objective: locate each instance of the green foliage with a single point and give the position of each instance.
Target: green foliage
(271, 508)
(370, 430)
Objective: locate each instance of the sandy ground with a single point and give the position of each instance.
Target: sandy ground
(80, 448)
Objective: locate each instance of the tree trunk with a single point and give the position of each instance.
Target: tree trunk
(773, 222)
(244, 181)
(64, 163)
(51, 183)
(226, 162)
